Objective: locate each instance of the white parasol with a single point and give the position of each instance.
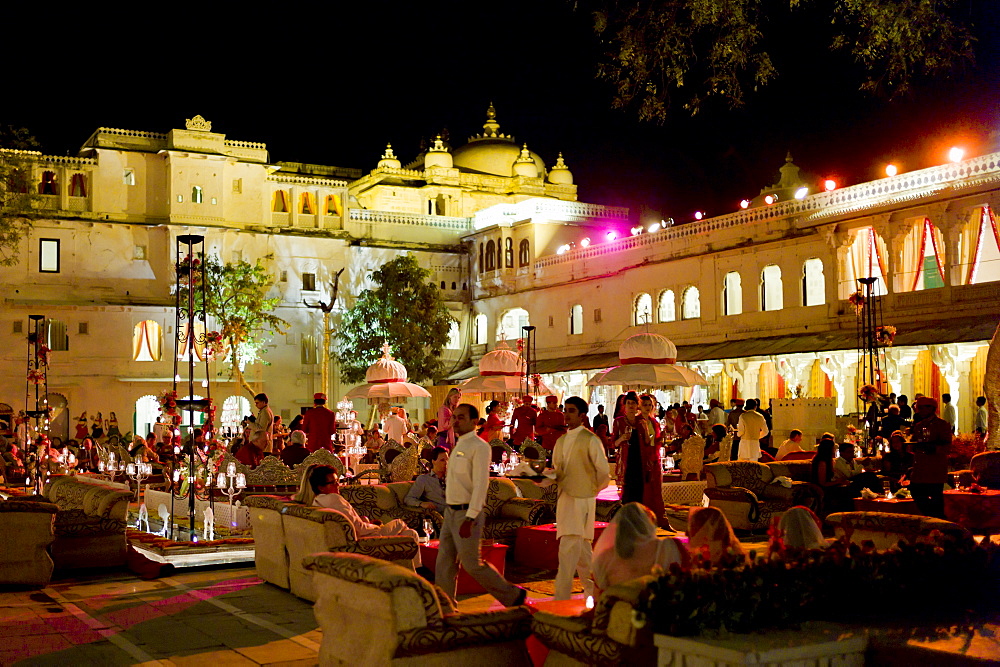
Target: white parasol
(648, 360)
(501, 375)
(386, 379)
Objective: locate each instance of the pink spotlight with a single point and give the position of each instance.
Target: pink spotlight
(745, 203)
(611, 236)
(829, 184)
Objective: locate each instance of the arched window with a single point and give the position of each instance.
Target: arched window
(690, 303)
(482, 267)
(78, 186)
(332, 205)
(234, 409)
(279, 201)
(491, 254)
(922, 258)
(732, 294)
(642, 312)
(511, 323)
(48, 184)
(454, 342)
(813, 282)
(978, 258)
(480, 325)
(866, 258)
(523, 253)
(576, 319)
(196, 194)
(770, 288)
(147, 341)
(147, 410)
(499, 253)
(509, 253)
(666, 309)
(307, 203)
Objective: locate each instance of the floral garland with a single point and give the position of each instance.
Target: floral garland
(36, 376)
(885, 335)
(215, 345)
(188, 271)
(858, 301)
(168, 402)
(867, 393)
(43, 354)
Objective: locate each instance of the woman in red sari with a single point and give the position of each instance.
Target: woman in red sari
(638, 470)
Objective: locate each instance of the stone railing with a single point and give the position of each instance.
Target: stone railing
(395, 218)
(65, 159)
(131, 133)
(549, 208)
(854, 198)
(246, 144)
(307, 180)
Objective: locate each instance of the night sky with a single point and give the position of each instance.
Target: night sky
(328, 85)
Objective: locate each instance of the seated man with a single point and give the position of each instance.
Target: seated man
(296, 451)
(793, 444)
(428, 489)
(325, 487)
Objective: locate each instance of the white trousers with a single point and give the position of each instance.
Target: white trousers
(575, 555)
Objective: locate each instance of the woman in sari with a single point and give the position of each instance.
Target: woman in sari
(628, 548)
(640, 478)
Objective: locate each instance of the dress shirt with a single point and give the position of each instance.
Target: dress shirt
(845, 470)
(982, 418)
(395, 428)
(469, 473)
(335, 501)
(581, 465)
(950, 415)
(787, 447)
(716, 416)
(262, 429)
(427, 488)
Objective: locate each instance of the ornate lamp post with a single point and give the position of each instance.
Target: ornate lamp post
(231, 483)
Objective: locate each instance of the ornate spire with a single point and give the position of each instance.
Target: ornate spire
(560, 163)
(560, 173)
(388, 154)
(491, 128)
(525, 156)
(438, 146)
(389, 159)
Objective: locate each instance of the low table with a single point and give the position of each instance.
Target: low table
(491, 552)
(977, 512)
(893, 506)
(538, 546)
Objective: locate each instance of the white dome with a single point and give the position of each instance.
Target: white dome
(386, 369)
(492, 156)
(647, 348)
(501, 361)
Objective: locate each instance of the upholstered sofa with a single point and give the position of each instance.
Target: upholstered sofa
(608, 637)
(373, 612)
(984, 468)
(606, 509)
(506, 511)
(90, 523)
(382, 503)
(885, 530)
(746, 494)
(28, 528)
(285, 533)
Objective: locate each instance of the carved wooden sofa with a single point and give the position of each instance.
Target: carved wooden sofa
(90, 523)
(382, 503)
(885, 530)
(286, 532)
(373, 612)
(606, 509)
(272, 475)
(984, 468)
(28, 528)
(744, 491)
(608, 637)
(506, 511)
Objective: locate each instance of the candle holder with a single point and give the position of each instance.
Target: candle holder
(138, 472)
(109, 466)
(231, 483)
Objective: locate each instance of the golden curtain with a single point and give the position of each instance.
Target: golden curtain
(767, 383)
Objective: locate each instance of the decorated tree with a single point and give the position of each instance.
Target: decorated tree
(403, 309)
(238, 303)
(16, 195)
(662, 53)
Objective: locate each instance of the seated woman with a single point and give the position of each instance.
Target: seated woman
(711, 536)
(836, 490)
(798, 528)
(320, 487)
(897, 461)
(628, 548)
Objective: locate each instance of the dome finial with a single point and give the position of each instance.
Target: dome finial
(491, 128)
(389, 159)
(388, 154)
(386, 350)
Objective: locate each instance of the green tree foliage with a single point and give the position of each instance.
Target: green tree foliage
(660, 53)
(404, 310)
(237, 300)
(16, 192)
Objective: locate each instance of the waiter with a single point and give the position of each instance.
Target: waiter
(465, 492)
(319, 423)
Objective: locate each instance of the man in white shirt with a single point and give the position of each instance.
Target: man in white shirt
(750, 428)
(949, 413)
(465, 493)
(326, 486)
(582, 471)
(982, 416)
(716, 415)
(846, 466)
(793, 444)
(262, 430)
(394, 426)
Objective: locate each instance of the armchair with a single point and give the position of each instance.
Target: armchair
(505, 511)
(606, 509)
(90, 524)
(984, 467)
(608, 638)
(27, 527)
(382, 503)
(310, 530)
(885, 530)
(373, 612)
(743, 490)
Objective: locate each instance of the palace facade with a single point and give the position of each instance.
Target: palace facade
(757, 300)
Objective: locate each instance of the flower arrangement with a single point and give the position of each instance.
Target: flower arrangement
(43, 354)
(520, 345)
(168, 402)
(188, 271)
(867, 393)
(885, 335)
(36, 376)
(858, 301)
(215, 345)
